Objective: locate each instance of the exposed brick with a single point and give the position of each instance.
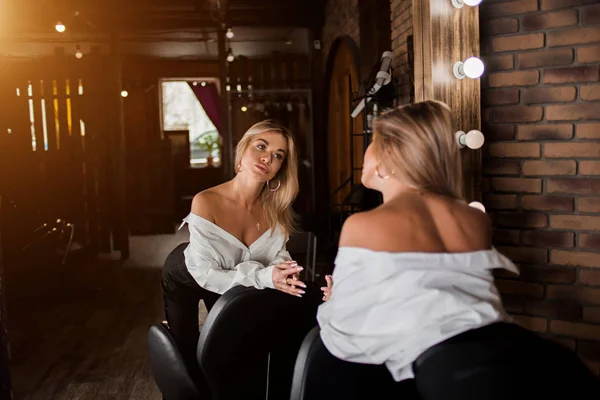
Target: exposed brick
(486, 114)
(590, 92)
(589, 204)
(575, 222)
(571, 74)
(548, 238)
(548, 274)
(591, 15)
(564, 150)
(588, 277)
(556, 4)
(558, 94)
(516, 78)
(572, 112)
(575, 258)
(500, 201)
(520, 150)
(498, 132)
(505, 236)
(519, 113)
(502, 167)
(583, 331)
(547, 203)
(589, 168)
(549, 167)
(554, 309)
(581, 294)
(520, 220)
(522, 289)
(517, 185)
(546, 58)
(574, 186)
(591, 314)
(545, 131)
(573, 36)
(588, 54)
(499, 97)
(512, 304)
(499, 62)
(518, 42)
(500, 26)
(535, 324)
(589, 241)
(588, 131)
(495, 10)
(536, 22)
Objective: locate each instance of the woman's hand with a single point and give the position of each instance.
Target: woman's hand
(285, 278)
(327, 290)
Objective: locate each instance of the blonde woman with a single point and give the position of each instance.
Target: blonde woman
(238, 234)
(412, 286)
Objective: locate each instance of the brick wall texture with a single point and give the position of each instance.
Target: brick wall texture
(402, 25)
(341, 19)
(541, 113)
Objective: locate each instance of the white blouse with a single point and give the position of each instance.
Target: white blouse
(219, 261)
(388, 308)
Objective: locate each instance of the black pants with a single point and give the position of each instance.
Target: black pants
(502, 361)
(181, 295)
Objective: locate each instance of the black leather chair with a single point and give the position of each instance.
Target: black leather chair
(319, 375)
(249, 342)
(168, 368)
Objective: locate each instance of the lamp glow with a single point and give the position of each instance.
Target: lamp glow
(244, 108)
(78, 53)
(60, 27)
(124, 93)
(229, 34)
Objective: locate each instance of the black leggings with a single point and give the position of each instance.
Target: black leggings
(502, 361)
(181, 295)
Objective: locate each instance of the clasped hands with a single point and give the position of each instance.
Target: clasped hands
(286, 278)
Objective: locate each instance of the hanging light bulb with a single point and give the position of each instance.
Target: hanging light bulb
(60, 27)
(229, 33)
(78, 53)
(230, 56)
(472, 67)
(244, 108)
(473, 140)
(124, 93)
(461, 3)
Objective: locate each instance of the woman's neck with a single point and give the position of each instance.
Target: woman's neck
(247, 191)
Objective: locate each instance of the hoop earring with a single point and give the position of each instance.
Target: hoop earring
(379, 175)
(278, 185)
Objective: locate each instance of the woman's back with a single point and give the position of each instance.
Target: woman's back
(419, 222)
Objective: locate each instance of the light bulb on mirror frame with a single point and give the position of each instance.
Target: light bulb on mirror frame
(461, 3)
(472, 67)
(473, 139)
(477, 205)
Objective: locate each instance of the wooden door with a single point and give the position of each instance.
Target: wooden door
(344, 73)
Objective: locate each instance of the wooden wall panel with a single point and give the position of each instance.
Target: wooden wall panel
(444, 35)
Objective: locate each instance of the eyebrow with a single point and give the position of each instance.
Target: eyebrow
(267, 143)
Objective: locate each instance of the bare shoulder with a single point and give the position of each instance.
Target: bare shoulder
(371, 229)
(203, 204)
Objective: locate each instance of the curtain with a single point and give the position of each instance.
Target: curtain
(208, 96)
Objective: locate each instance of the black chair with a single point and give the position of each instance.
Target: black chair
(249, 342)
(320, 375)
(302, 246)
(169, 371)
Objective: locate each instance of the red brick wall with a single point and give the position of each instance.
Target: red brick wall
(341, 19)
(541, 99)
(402, 28)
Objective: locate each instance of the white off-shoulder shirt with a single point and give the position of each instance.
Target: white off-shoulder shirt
(388, 308)
(219, 261)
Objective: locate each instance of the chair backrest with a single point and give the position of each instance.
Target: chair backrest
(168, 368)
(320, 375)
(302, 246)
(248, 344)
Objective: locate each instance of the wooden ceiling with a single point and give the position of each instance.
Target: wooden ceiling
(103, 16)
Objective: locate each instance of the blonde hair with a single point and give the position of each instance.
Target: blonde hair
(278, 203)
(420, 142)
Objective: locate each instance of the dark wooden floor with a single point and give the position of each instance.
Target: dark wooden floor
(80, 331)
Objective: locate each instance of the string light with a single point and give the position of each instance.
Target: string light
(78, 53)
(229, 34)
(60, 27)
(124, 93)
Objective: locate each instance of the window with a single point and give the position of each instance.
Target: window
(181, 110)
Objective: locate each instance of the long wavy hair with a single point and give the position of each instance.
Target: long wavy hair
(417, 142)
(277, 204)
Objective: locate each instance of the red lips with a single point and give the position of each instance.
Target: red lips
(262, 168)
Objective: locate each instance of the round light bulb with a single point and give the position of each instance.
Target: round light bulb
(124, 93)
(244, 108)
(230, 57)
(229, 34)
(78, 53)
(474, 139)
(477, 205)
(472, 3)
(60, 27)
(203, 84)
(473, 67)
